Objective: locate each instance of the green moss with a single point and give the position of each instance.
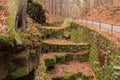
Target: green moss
(36, 11)
(51, 47)
(11, 20)
(67, 34)
(73, 76)
(68, 20)
(1, 7)
(77, 35)
(118, 51)
(84, 77)
(32, 51)
(56, 78)
(69, 57)
(97, 41)
(18, 73)
(70, 76)
(60, 58)
(40, 3)
(78, 74)
(50, 63)
(82, 57)
(6, 38)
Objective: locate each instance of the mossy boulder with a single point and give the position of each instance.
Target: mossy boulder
(36, 11)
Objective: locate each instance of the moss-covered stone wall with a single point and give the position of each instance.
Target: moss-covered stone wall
(102, 50)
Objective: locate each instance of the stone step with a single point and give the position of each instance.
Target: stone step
(82, 56)
(57, 45)
(54, 32)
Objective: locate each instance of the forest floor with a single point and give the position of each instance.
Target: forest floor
(3, 16)
(105, 13)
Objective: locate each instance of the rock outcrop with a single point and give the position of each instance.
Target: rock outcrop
(19, 47)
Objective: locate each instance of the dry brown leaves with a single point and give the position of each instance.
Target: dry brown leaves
(105, 13)
(71, 67)
(3, 17)
(61, 41)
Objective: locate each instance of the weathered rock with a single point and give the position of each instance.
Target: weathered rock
(36, 11)
(3, 67)
(18, 57)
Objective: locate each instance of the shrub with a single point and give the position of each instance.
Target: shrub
(60, 58)
(50, 63)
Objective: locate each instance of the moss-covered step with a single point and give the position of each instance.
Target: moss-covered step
(71, 71)
(62, 57)
(73, 76)
(53, 32)
(56, 45)
(60, 32)
(50, 63)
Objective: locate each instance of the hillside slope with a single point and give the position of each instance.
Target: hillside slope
(105, 13)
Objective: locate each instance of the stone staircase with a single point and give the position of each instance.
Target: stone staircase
(63, 59)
